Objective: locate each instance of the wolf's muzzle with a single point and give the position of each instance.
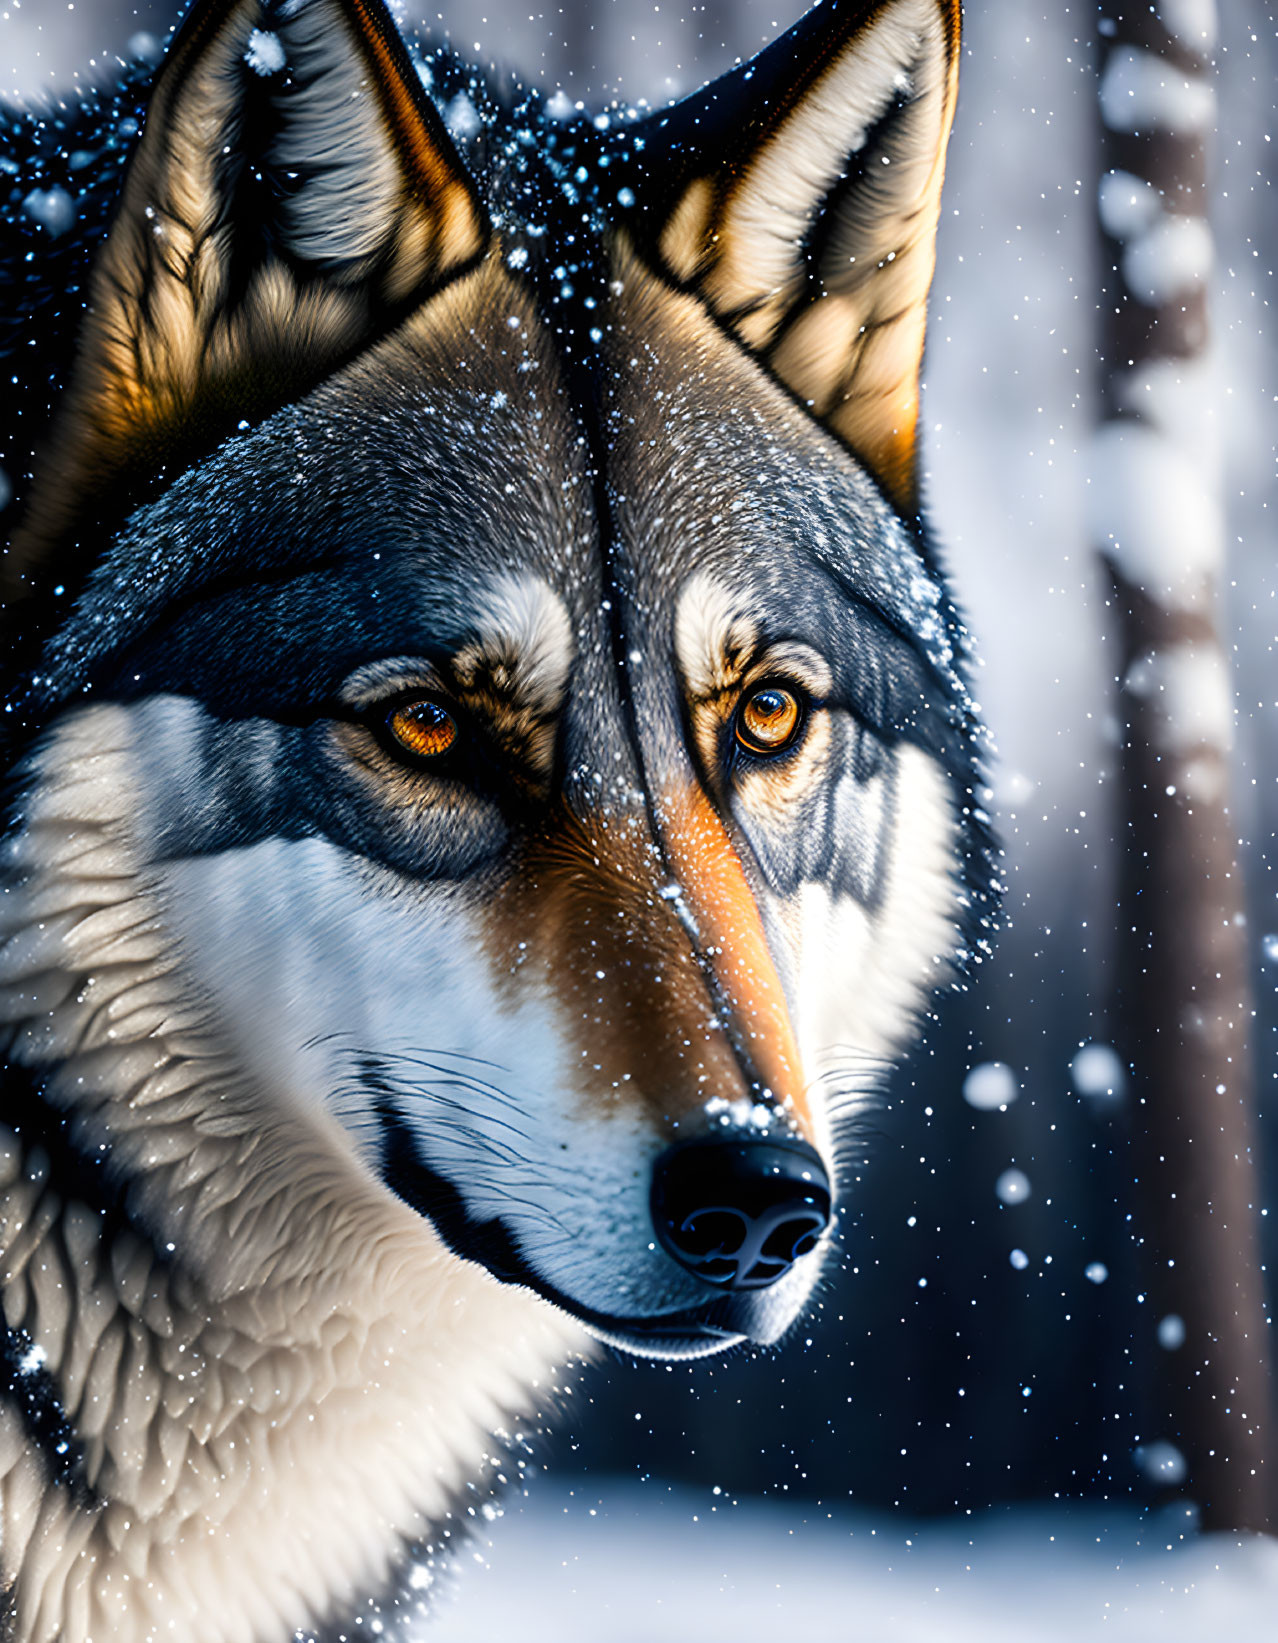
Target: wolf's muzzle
(739, 1213)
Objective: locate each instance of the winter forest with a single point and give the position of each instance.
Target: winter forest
(993, 1422)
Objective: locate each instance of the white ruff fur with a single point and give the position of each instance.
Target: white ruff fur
(271, 1417)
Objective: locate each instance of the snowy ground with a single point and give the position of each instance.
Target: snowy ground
(639, 1564)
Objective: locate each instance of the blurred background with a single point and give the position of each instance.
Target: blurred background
(984, 1339)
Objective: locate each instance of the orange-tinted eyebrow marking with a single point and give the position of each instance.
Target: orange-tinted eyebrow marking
(713, 884)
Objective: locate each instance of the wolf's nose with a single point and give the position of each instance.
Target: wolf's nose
(739, 1213)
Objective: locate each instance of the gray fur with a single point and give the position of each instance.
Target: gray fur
(337, 1074)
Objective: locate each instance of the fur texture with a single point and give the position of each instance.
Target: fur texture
(489, 751)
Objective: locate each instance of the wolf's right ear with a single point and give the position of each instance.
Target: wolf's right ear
(293, 195)
(798, 197)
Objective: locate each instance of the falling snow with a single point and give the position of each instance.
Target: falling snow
(990, 1086)
(1013, 1186)
(1006, 506)
(264, 53)
(53, 208)
(1098, 1073)
(1161, 1461)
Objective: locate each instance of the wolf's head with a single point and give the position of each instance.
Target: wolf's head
(491, 709)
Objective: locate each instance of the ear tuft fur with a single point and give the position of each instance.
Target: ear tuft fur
(799, 197)
(294, 192)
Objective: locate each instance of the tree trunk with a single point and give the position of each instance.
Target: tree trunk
(1184, 996)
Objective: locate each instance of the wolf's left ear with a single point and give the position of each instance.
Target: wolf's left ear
(293, 195)
(798, 197)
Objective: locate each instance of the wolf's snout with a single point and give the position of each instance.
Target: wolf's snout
(739, 1213)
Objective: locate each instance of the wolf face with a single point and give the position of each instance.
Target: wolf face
(495, 774)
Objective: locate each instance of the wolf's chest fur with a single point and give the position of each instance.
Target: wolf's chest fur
(492, 784)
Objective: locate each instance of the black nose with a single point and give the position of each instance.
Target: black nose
(739, 1213)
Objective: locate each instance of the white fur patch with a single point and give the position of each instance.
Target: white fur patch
(717, 644)
(864, 974)
(710, 630)
(526, 637)
(271, 1415)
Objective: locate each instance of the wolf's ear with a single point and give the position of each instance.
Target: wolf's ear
(799, 197)
(293, 194)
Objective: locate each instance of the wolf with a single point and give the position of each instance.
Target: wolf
(492, 781)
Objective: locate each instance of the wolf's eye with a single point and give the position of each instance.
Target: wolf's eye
(422, 727)
(768, 720)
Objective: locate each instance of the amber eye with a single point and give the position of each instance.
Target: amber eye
(422, 727)
(768, 720)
